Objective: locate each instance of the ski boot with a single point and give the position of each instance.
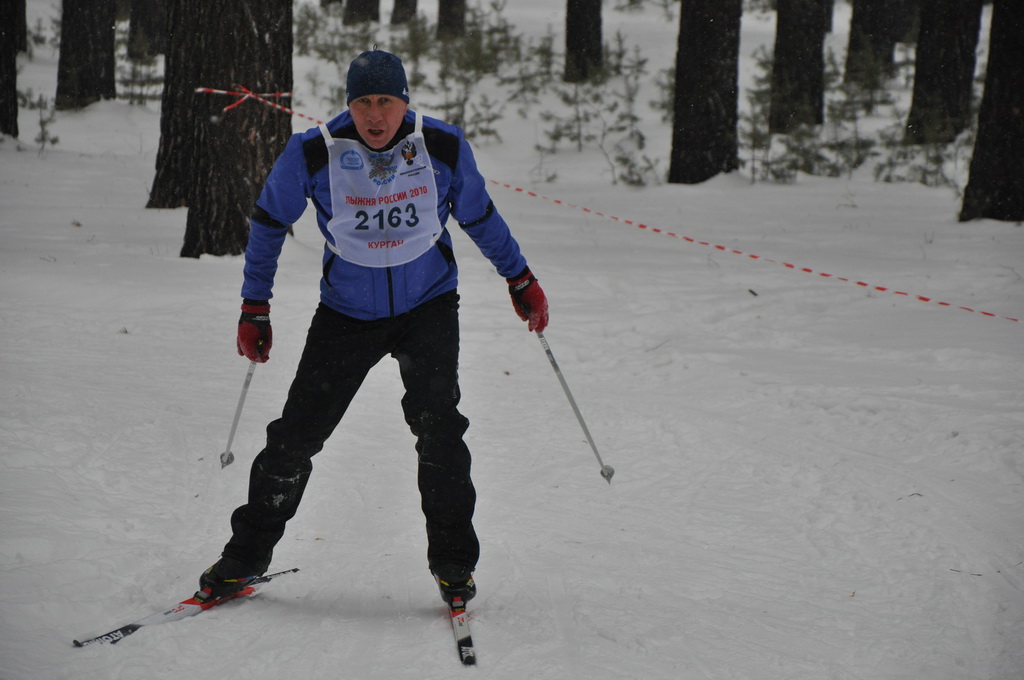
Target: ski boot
(226, 577)
(455, 582)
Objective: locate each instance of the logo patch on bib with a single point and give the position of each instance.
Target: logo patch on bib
(409, 152)
(351, 160)
(382, 168)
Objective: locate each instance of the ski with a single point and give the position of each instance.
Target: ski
(182, 610)
(460, 626)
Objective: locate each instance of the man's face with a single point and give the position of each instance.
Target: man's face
(377, 118)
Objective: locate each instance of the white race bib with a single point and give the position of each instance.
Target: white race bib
(384, 203)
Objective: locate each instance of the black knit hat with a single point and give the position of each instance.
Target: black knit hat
(377, 72)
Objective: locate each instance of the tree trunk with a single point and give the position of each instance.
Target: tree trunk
(8, 68)
(174, 166)
(451, 19)
(798, 74)
(944, 74)
(584, 48)
(360, 12)
(707, 62)
(85, 68)
(147, 29)
(869, 53)
(403, 12)
(996, 186)
(902, 20)
(248, 43)
(15, 18)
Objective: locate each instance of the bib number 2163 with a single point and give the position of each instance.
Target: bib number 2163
(395, 217)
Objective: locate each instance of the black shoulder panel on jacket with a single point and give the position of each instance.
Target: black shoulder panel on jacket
(442, 145)
(315, 152)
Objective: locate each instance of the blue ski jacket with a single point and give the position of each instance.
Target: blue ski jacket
(301, 174)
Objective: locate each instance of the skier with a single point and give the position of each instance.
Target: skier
(383, 179)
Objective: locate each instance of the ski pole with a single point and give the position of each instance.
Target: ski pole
(606, 470)
(227, 458)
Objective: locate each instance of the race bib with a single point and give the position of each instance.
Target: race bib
(384, 203)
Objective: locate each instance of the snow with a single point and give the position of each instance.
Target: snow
(814, 479)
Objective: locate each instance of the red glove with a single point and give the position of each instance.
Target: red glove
(255, 336)
(529, 300)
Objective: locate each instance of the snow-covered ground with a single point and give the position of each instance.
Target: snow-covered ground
(815, 479)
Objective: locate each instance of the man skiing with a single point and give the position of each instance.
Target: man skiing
(383, 180)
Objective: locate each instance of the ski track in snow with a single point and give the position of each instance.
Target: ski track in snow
(813, 480)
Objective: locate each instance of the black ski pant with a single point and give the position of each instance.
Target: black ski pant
(338, 354)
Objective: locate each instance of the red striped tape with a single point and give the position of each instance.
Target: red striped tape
(243, 94)
(752, 256)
